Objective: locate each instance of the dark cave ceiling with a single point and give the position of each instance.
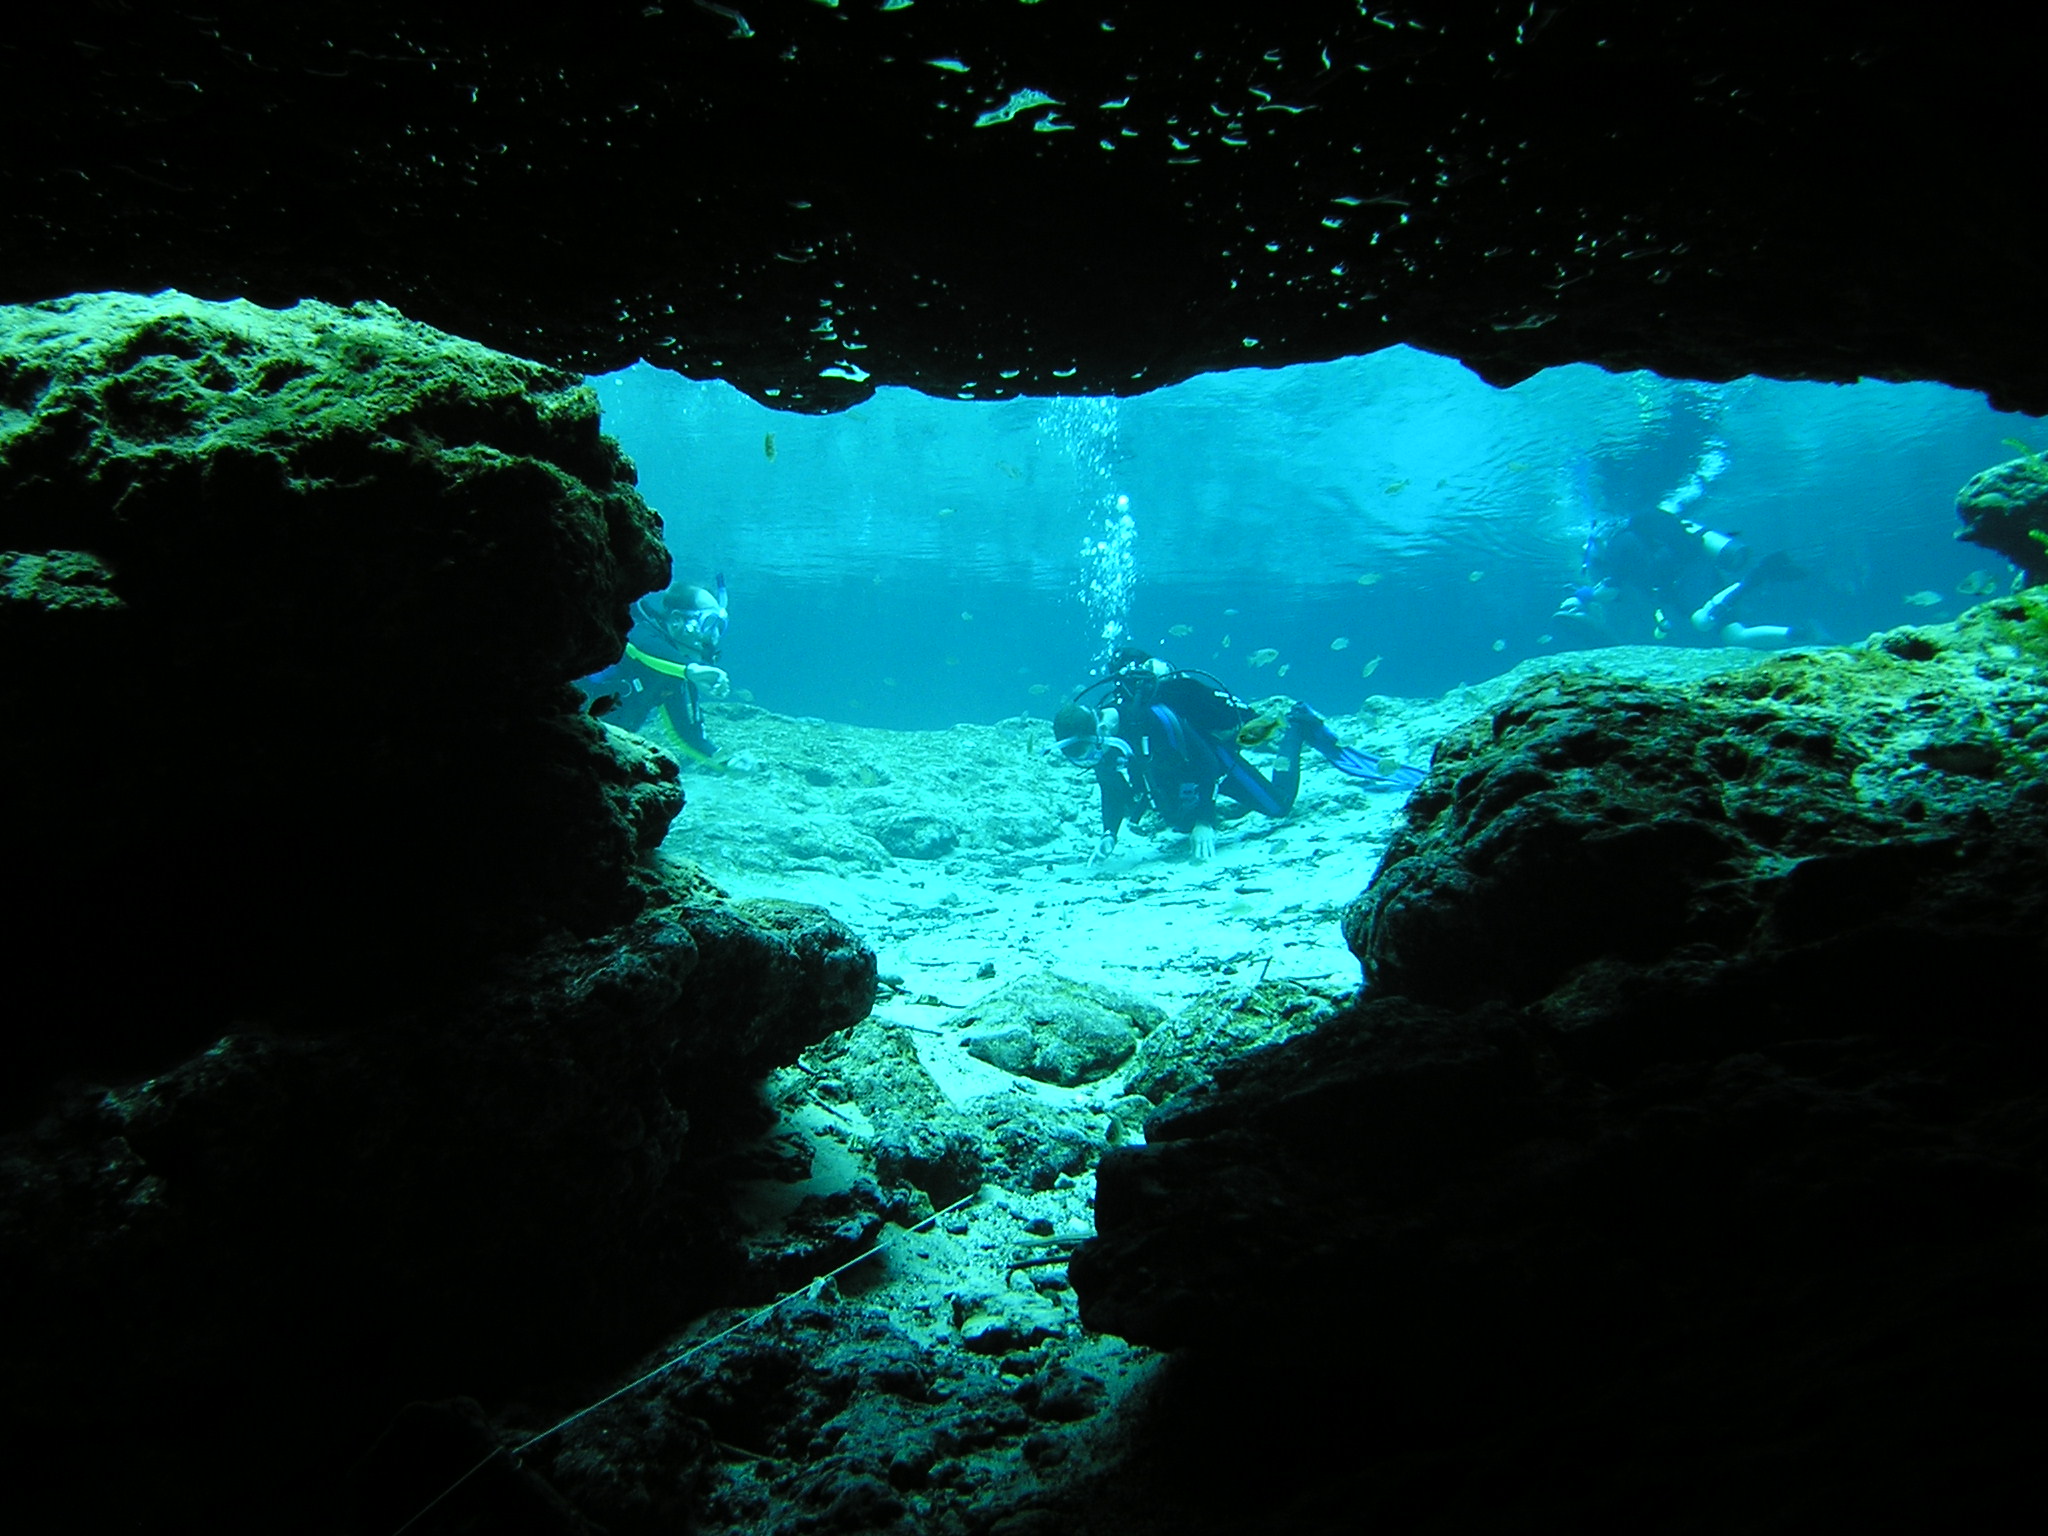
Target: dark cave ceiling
(812, 198)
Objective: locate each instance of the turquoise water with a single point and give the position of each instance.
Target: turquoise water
(914, 563)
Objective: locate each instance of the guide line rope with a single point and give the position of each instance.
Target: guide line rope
(808, 1289)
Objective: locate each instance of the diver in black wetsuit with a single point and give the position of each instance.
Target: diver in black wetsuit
(670, 663)
(1170, 740)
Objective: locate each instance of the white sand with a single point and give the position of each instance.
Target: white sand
(798, 815)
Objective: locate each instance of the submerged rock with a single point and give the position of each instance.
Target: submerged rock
(358, 1049)
(1687, 1087)
(1597, 820)
(290, 604)
(1220, 1026)
(2005, 510)
(1057, 1031)
(917, 835)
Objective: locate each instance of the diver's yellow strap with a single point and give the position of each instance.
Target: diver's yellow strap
(670, 668)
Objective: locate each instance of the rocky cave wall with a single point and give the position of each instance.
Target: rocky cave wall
(812, 200)
(1683, 1167)
(357, 1049)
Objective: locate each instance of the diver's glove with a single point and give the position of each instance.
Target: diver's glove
(1104, 847)
(1202, 842)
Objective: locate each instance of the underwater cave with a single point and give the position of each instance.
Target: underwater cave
(875, 766)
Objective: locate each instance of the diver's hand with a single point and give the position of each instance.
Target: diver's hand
(1104, 847)
(1202, 843)
(711, 679)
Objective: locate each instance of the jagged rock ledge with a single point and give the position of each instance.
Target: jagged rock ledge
(356, 1048)
(1686, 1150)
(289, 601)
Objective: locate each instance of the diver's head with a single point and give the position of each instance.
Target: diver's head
(1077, 732)
(1081, 735)
(696, 620)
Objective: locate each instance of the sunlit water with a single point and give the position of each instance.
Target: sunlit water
(1385, 524)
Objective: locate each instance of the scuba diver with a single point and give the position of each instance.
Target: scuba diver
(670, 663)
(1639, 571)
(1160, 737)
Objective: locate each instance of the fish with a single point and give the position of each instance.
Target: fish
(1396, 487)
(1230, 613)
(603, 705)
(1179, 631)
(1369, 579)
(1475, 575)
(1286, 667)
(965, 616)
(1371, 667)
(1545, 639)
(1263, 658)
(1010, 469)
(1254, 732)
(945, 512)
(1225, 642)
(1037, 690)
(768, 445)
(1978, 584)
(1923, 599)
(1500, 645)
(1340, 644)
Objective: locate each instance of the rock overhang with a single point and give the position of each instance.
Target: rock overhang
(814, 200)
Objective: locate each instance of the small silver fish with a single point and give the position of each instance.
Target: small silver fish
(1923, 599)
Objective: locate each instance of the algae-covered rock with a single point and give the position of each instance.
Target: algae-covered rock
(922, 1140)
(1057, 1031)
(1222, 1025)
(1594, 819)
(917, 835)
(322, 576)
(319, 494)
(1695, 1076)
(345, 993)
(493, 1175)
(2005, 509)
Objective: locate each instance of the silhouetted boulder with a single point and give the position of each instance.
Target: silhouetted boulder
(1695, 1080)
